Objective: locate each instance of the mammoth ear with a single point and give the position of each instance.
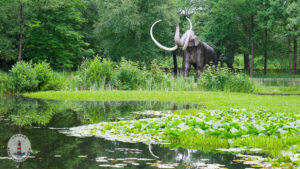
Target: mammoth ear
(196, 42)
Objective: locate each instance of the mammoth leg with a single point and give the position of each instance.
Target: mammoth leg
(197, 71)
(186, 64)
(200, 61)
(175, 63)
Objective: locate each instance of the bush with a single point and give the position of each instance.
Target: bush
(22, 77)
(3, 82)
(130, 76)
(223, 79)
(155, 77)
(95, 73)
(44, 76)
(26, 77)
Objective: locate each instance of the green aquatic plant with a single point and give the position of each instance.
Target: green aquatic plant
(224, 128)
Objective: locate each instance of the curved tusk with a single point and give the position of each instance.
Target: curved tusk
(189, 35)
(157, 43)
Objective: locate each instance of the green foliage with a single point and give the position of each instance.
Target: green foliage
(64, 33)
(23, 77)
(3, 82)
(223, 79)
(8, 31)
(44, 75)
(129, 76)
(96, 72)
(123, 28)
(240, 128)
(53, 34)
(294, 18)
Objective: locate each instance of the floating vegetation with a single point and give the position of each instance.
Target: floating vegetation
(286, 161)
(129, 150)
(228, 124)
(239, 149)
(153, 113)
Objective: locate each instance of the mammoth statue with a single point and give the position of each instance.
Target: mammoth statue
(196, 53)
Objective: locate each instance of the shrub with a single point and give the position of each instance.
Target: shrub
(96, 72)
(239, 83)
(3, 82)
(22, 77)
(155, 77)
(44, 76)
(58, 81)
(221, 78)
(130, 76)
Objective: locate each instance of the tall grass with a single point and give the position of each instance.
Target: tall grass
(102, 74)
(282, 82)
(3, 82)
(217, 78)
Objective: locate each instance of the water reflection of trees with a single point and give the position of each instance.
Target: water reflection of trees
(35, 116)
(32, 112)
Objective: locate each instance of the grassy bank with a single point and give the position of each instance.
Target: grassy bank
(211, 100)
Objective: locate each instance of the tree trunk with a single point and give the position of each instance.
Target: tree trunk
(21, 30)
(252, 46)
(295, 55)
(252, 58)
(175, 63)
(266, 52)
(289, 54)
(246, 62)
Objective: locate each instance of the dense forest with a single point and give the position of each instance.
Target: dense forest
(66, 32)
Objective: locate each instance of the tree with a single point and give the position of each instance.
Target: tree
(9, 31)
(21, 10)
(123, 28)
(220, 23)
(294, 27)
(54, 33)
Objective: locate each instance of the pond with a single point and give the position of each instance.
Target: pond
(44, 122)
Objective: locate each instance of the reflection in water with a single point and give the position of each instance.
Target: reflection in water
(41, 121)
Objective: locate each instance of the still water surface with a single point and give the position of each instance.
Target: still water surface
(43, 121)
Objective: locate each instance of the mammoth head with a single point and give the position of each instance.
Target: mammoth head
(187, 39)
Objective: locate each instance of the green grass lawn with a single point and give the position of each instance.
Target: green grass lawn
(211, 100)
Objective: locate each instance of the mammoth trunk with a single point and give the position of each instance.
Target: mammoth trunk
(177, 36)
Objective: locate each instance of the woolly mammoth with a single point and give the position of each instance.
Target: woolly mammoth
(196, 53)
